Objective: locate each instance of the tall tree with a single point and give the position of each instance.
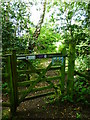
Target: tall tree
(38, 28)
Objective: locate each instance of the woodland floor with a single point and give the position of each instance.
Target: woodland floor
(38, 109)
(43, 109)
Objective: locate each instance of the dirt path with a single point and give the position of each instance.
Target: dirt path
(39, 109)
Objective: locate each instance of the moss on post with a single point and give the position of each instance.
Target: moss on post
(63, 70)
(63, 75)
(14, 74)
(10, 84)
(71, 64)
(12, 81)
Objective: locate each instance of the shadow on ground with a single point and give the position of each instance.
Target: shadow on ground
(38, 109)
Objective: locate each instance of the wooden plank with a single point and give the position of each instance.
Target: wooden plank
(42, 88)
(38, 96)
(24, 55)
(53, 78)
(14, 77)
(26, 71)
(38, 80)
(6, 55)
(29, 63)
(27, 74)
(21, 58)
(37, 89)
(52, 84)
(36, 70)
(55, 68)
(10, 84)
(39, 56)
(62, 81)
(25, 83)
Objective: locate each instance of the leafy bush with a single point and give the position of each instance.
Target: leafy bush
(82, 63)
(81, 89)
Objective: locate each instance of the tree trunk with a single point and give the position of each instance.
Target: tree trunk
(38, 28)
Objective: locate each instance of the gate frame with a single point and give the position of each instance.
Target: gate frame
(12, 77)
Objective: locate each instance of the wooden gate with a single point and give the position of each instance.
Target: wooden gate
(16, 96)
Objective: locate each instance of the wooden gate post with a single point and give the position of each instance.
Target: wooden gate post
(12, 82)
(27, 75)
(63, 74)
(71, 64)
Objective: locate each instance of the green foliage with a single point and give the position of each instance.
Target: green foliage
(81, 89)
(5, 117)
(50, 99)
(7, 28)
(15, 23)
(72, 16)
(54, 98)
(62, 48)
(47, 39)
(78, 115)
(82, 63)
(69, 24)
(6, 114)
(67, 98)
(4, 85)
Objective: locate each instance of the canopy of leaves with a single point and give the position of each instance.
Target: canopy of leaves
(47, 40)
(61, 18)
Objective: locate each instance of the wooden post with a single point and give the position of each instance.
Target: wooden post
(63, 75)
(27, 74)
(71, 64)
(12, 82)
(11, 90)
(14, 74)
